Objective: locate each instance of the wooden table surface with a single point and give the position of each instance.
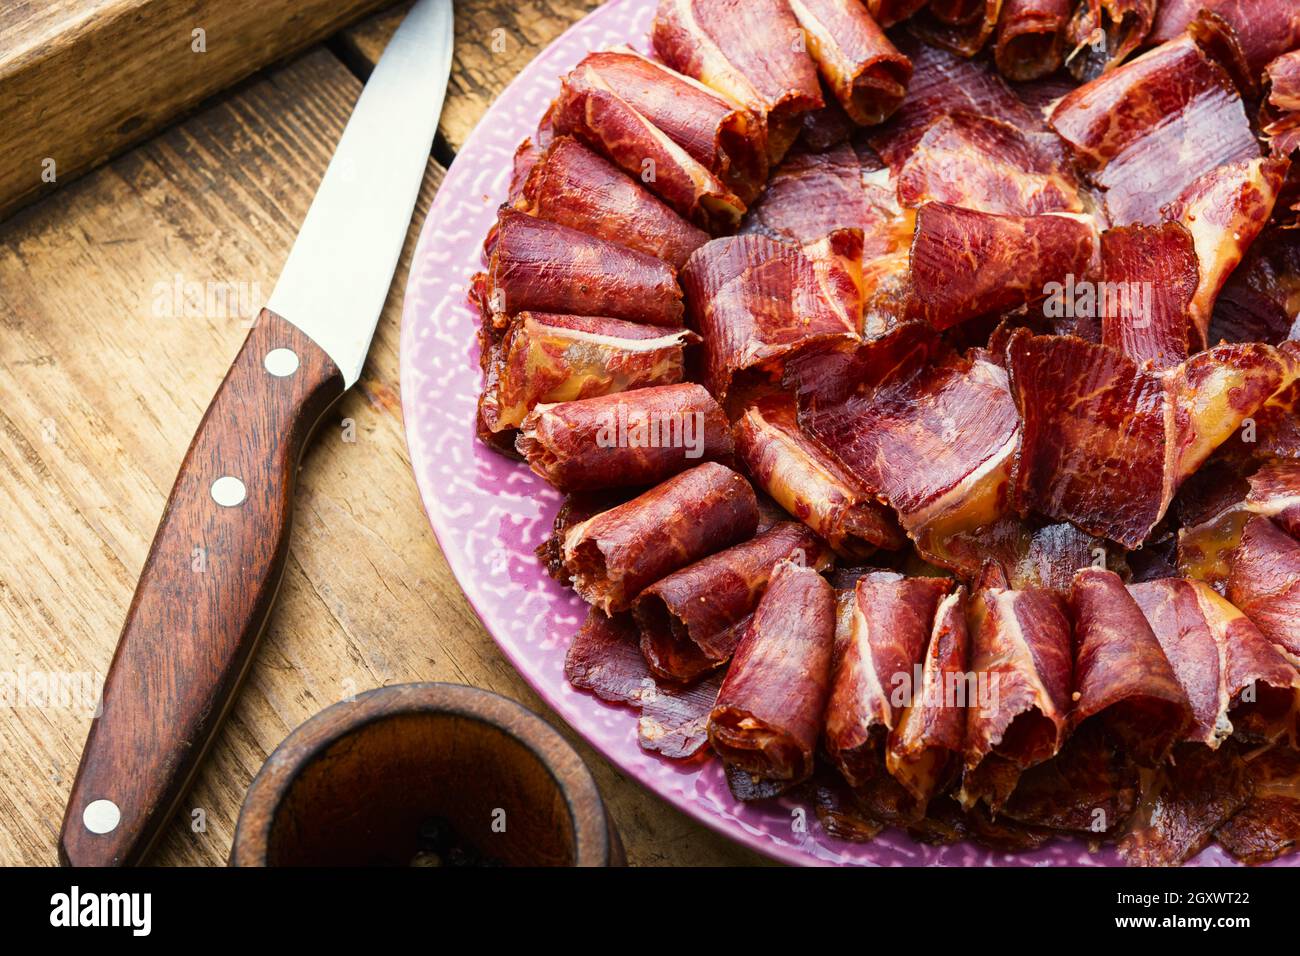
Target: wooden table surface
(114, 334)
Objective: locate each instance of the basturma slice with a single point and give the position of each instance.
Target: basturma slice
(968, 264)
(616, 554)
(1151, 273)
(559, 358)
(1147, 130)
(768, 715)
(924, 749)
(575, 187)
(752, 53)
(757, 302)
(866, 72)
(1264, 583)
(1122, 679)
(1238, 683)
(629, 439)
(1031, 38)
(691, 621)
(808, 483)
(880, 639)
(540, 266)
(1021, 655)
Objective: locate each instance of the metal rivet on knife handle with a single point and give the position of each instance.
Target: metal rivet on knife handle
(228, 491)
(281, 362)
(101, 816)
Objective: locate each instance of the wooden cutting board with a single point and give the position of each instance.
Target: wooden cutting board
(81, 80)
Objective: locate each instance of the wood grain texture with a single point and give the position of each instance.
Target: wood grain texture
(112, 341)
(81, 80)
(203, 597)
(495, 39)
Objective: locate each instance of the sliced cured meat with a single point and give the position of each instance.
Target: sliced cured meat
(575, 187)
(1105, 444)
(627, 439)
(1269, 824)
(574, 510)
(839, 812)
(675, 720)
(989, 166)
(768, 714)
(962, 26)
(542, 357)
(541, 266)
(863, 69)
(1148, 282)
(1265, 29)
(1089, 788)
(1053, 553)
(1148, 129)
(888, 12)
(1122, 679)
(691, 621)
(924, 749)
(605, 658)
(613, 556)
(810, 484)
(936, 443)
(1021, 655)
(1260, 300)
(616, 100)
(1103, 32)
(757, 302)
(1224, 211)
(1183, 803)
(1031, 38)
(750, 51)
(880, 641)
(943, 83)
(948, 822)
(968, 264)
(1275, 493)
(812, 194)
(1264, 583)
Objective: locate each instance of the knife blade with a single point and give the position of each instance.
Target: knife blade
(210, 580)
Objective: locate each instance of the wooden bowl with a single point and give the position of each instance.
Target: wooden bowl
(363, 782)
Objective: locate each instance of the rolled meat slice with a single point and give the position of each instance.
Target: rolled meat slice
(967, 264)
(1264, 29)
(810, 484)
(1150, 274)
(613, 556)
(541, 358)
(1031, 38)
(1021, 655)
(540, 266)
(863, 69)
(888, 12)
(1103, 32)
(1122, 678)
(1147, 130)
(924, 749)
(753, 53)
(1264, 583)
(628, 439)
(691, 620)
(986, 165)
(962, 26)
(768, 715)
(575, 187)
(758, 302)
(880, 640)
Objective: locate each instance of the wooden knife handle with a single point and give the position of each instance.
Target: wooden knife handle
(204, 596)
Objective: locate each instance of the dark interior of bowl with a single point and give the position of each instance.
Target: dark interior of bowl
(368, 799)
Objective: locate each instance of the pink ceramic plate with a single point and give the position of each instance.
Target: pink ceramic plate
(489, 513)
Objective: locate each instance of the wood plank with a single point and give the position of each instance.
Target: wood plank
(103, 377)
(81, 80)
(495, 39)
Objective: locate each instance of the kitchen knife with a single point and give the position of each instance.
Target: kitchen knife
(216, 561)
